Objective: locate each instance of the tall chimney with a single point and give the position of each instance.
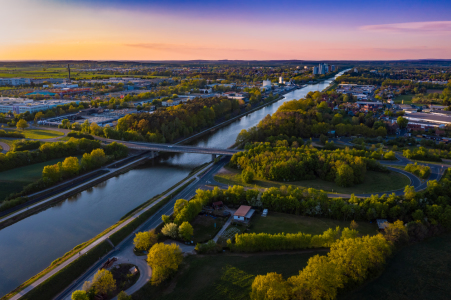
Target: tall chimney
(68, 68)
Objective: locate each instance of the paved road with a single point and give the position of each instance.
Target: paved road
(5, 147)
(125, 248)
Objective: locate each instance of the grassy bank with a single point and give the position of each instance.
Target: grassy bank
(58, 282)
(418, 272)
(279, 223)
(223, 276)
(39, 133)
(374, 182)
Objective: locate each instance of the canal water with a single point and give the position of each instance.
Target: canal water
(29, 246)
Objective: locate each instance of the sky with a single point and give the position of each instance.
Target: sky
(213, 30)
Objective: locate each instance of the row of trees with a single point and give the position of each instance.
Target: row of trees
(252, 242)
(49, 151)
(45, 152)
(345, 167)
(184, 231)
(422, 153)
(350, 262)
(71, 167)
(430, 206)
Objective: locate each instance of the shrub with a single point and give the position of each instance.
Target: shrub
(208, 247)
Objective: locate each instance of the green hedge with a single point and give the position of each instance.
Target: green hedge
(61, 280)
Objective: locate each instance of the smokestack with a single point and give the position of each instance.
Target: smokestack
(68, 68)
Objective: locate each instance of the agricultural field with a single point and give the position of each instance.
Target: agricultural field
(275, 223)
(420, 271)
(224, 276)
(374, 182)
(13, 181)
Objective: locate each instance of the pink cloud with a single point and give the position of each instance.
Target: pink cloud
(414, 27)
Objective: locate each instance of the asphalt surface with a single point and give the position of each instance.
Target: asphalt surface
(124, 249)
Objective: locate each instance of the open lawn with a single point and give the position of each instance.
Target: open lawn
(204, 228)
(286, 223)
(40, 133)
(13, 181)
(224, 276)
(407, 99)
(374, 182)
(420, 271)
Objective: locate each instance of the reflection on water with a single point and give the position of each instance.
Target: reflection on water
(29, 246)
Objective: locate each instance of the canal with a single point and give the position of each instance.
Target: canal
(29, 246)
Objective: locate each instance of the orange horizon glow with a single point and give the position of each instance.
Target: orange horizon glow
(63, 32)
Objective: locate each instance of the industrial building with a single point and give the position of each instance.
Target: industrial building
(22, 105)
(15, 81)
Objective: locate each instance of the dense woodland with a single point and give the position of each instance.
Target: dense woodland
(345, 167)
(312, 117)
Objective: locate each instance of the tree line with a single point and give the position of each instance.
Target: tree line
(431, 206)
(252, 242)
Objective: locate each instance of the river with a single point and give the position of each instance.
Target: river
(29, 246)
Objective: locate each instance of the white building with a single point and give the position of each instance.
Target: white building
(280, 80)
(266, 84)
(22, 105)
(243, 213)
(14, 81)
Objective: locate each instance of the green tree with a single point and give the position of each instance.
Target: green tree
(70, 166)
(166, 219)
(186, 231)
(79, 295)
(145, 240)
(123, 296)
(22, 124)
(103, 282)
(271, 286)
(170, 230)
(247, 176)
(345, 175)
(402, 122)
(164, 260)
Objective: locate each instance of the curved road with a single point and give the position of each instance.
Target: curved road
(5, 147)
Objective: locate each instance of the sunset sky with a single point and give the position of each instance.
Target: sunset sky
(260, 30)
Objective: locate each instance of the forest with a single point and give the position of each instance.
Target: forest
(313, 117)
(345, 167)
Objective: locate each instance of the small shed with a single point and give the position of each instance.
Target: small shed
(133, 270)
(243, 213)
(218, 205)
(382, 223)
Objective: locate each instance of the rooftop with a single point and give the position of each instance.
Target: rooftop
(242, 211)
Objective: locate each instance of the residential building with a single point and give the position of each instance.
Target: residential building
(243, 213)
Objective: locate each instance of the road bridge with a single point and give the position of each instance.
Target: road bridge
(180, 148)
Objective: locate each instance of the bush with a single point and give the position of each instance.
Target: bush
(247, 176)
(11, 134)
(421, 171)
(208, 247)
(80, 135)
(25, 145)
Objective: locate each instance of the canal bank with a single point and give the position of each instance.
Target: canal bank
(29, 246)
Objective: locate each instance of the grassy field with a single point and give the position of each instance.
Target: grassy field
(407, 99)
(13, 181)
(40, 133)
(421, 271)
(278, 223)
(223, 276)
(204, 228)
(374, 182)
